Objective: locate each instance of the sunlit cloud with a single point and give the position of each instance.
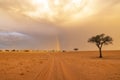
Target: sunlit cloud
(58, 12)
(54, 11)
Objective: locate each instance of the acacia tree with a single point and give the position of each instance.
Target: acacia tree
(76, 49)
(100, 40)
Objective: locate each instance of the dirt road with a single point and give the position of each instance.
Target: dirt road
(59, 66)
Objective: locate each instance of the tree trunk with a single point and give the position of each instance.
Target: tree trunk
(100, 50)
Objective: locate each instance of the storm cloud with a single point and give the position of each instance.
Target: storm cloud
(23, 25)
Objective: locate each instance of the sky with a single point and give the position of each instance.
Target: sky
(58, 24)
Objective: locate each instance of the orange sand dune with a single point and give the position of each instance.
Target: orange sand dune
(60, 66)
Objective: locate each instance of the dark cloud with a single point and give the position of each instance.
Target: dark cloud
(9, 39)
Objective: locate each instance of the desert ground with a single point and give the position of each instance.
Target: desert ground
(81, 65)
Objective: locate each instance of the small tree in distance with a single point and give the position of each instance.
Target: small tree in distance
(101, 40)
(76, 49)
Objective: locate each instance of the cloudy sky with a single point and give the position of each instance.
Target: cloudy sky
(47, 24)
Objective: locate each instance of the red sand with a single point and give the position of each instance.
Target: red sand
(60, 66)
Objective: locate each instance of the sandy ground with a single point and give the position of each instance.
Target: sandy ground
(60, 66)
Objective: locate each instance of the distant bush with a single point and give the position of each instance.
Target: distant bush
(63, 51)
(76, 49)
(13, 50)
(7, 50)
(26, 50)
(1, 50)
